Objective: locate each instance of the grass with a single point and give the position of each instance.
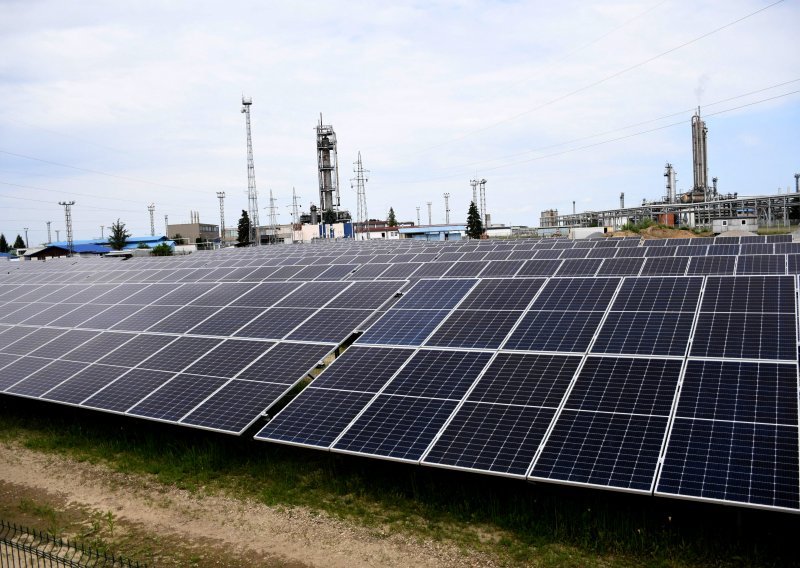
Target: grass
(519, 522)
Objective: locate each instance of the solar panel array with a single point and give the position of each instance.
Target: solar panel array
(645, 366)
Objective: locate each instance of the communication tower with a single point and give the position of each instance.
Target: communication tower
(273, 219)
(152, 209)
(49, 239)
(252, 194)
(362, 217)
(484, 214)
(446, 208)
(221, 197)
(328, 167)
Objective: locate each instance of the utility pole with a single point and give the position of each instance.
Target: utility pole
(221, 197)
(49, 239)
(252, 194)
(474, 184)
(446, 208)
(273, 219)
(430, 219)
(484, 215)
(58, 232)
(26, 237)
(362, 218)
(152, 208)
(68, 221)
(102, 229)
(418, 221)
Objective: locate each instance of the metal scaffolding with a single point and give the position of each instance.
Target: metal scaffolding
(252, 194)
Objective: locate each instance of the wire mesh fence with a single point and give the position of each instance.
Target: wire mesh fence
(21, 547)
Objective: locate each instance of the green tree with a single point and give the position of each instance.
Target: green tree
(119, 236)
(392, 220)
(19, 243)
(474, 223)
(243, 233)
(142, 246)
(161, 250)
(178, 238)
(3, 243)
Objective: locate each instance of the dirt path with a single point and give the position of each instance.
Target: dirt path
(221, 530)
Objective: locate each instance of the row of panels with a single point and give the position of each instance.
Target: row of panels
(631, 266)
(718, 423)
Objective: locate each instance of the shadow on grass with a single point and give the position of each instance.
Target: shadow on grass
(511, 517)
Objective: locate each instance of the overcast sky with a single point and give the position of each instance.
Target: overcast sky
(117, 105)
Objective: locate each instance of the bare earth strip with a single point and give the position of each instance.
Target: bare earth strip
(225, 527)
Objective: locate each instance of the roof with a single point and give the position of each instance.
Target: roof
(433, 229)
(91, 248)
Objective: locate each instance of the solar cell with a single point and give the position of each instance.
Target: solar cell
(645, 333)
(403, 327)
(225, 322)
(20, 369)
(235, 406)
(177, 397)
(177, 355)
(285, 363)
(109, 317)
(739, 391)
(736, 462)
(475, 328)
(337, 271)
(29, 342)
(576, 294)
(331, 410)
(491, 437)
(222, 295)
(746, 335)
(579, 267)
(229, 358)
(364, 369)
(403, 270)
(711, 265)
(749, 294)
(313, 294)
(184, 294)
(603, 449)
(554, 331)
(665, 266)
(135, 350)
(62, 344)
(435, 294)
(275, 323)
(502, 294)
(330, 325)
(43, 316)
(438, 374)
(761, 264)
(539, 267)
(501, 268)
(398, 427)
(663, 294)
(366, 295)
(128, 390)
(84, 384)
(46, 378)
(144, 318)
(266, 294)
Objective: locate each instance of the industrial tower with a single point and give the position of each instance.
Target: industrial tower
(273, 219)
(447, 208)
(362, 218)
(328, 167)
(152, 209)
(700, 154)
(484, 214)
(295, 216)
(252, 195)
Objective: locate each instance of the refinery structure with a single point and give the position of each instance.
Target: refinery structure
(703, 206)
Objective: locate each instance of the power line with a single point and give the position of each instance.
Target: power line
(603, 142)
(70, 192)
(599, 81)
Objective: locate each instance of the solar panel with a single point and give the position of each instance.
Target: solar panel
(645, 333)
(613, 424)
(46, 378)
(558, 331)
(127, 390)
(275, 323)
(746, 335)
(665, 266)
(576, 294)
(229, 358)
(435, 294)
(177, 397)
(502, 294)
(285, 363)
(235, 406)
(539, 268)
(761, 264)
(18, 370)
(579, 267)
(620, 267)
(177, 355)
(712, 265)
(183, 319)
(330, 325)
(84, 384)
(225, 321)
(474, 328)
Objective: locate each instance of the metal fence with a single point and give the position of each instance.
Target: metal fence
(24, 548)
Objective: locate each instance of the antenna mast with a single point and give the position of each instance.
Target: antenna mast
(446, 208)
(221, 197)
(362, 218)
(252, 194)
(152, 208)
(295, 215)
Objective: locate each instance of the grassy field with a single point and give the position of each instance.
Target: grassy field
(520, 523)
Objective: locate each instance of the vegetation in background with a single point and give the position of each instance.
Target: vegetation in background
(3, 243)
(142, 246)
(161, 250)
(474, 223)
(243, 230)
(640, 226)
(521, 522)
(119, 236)
(19, 243)
(329, 216)
(178, 238)
(392, 220)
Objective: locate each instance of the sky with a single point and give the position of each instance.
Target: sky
(119, 105)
